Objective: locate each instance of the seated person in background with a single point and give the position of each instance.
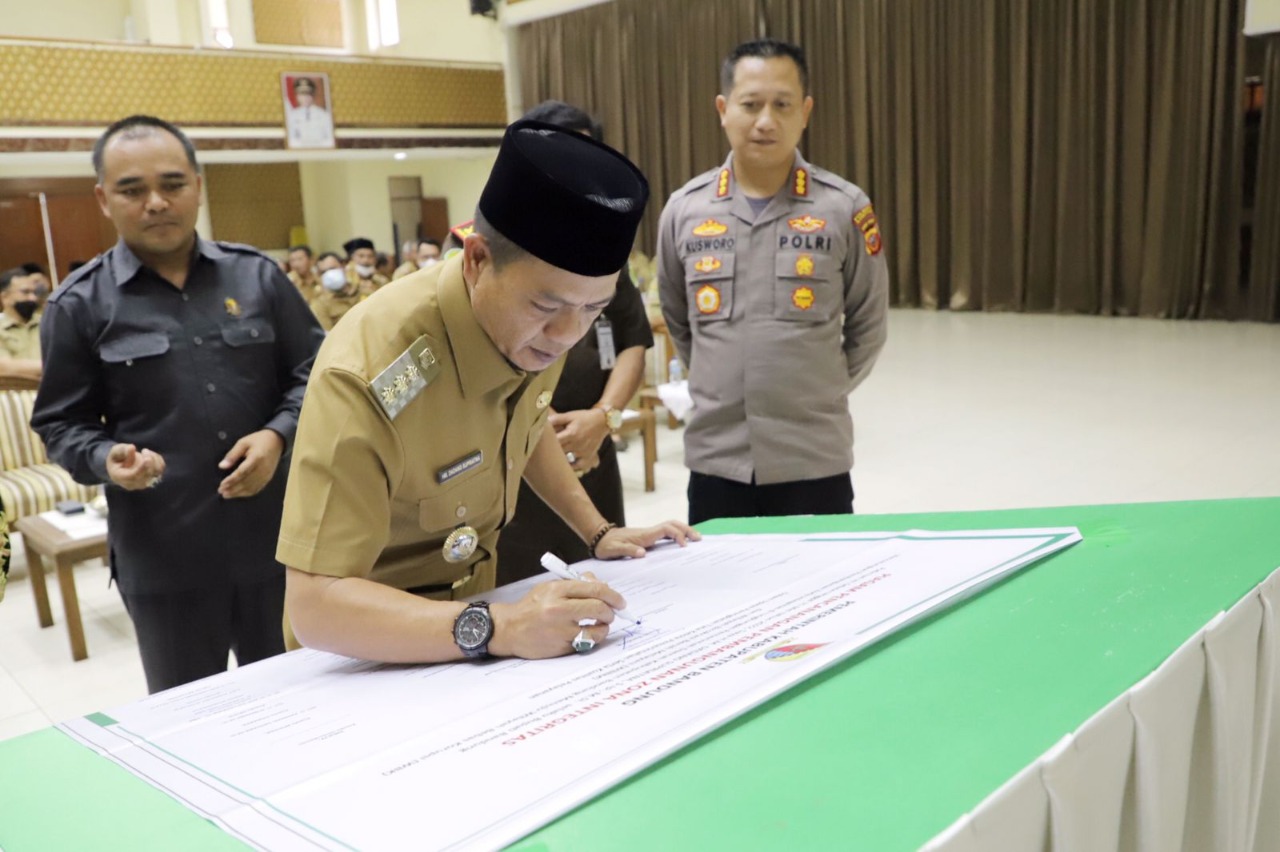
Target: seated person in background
(336, 293)
(302, 272)
(19, 326)
(362, 265)
(601, 374)
(383, 265)
(426, 254)
(41, 279)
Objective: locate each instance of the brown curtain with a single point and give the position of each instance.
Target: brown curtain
(1044, 155)
(1264, 274)
(649, 70)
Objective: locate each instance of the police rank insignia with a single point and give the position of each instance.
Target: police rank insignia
(802, 298)
(707, 264)
(865, 221)
(722, 184)
(710, 228)
(708, 299)
(800, 185)
(460, 544)
(232, 306)
(543, 400)
(806, 224)
(804, 265)
(402, 380)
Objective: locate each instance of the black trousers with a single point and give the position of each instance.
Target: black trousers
(184, 636)
(714, 497)
(535, 529)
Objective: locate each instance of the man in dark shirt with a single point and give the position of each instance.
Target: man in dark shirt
(174, 371)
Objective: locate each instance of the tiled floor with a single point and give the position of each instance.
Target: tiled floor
(962, 412)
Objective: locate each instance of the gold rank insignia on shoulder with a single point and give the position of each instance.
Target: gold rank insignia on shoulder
(232, 306)
(722, 183)
(407, 376)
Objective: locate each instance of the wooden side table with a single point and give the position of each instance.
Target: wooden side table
(42, 540)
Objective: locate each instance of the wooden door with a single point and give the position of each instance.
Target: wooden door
(435, 218)
(80, 231)
(21, 233)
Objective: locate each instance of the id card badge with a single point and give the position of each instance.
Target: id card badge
(604, 342)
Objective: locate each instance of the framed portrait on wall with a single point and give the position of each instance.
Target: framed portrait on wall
(308, 116)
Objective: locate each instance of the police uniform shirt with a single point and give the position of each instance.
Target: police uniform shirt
(779, 316)
(184, 372)
(20, 340)
(395, 451)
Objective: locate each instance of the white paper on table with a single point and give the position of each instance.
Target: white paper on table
(676, 398)
(84, 524)
(313, 750)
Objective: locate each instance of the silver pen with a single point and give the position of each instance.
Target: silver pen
(557, 566)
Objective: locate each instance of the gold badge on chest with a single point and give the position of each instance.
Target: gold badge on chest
(544, 399)
(460, 544)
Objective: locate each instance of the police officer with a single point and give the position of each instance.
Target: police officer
(427, 406)
(774, 287)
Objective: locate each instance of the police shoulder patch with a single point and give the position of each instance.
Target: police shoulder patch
(407, 376)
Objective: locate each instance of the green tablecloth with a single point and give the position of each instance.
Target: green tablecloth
(880, 753)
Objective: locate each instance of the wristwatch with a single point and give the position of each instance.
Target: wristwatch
(473, 629)
(612, 416)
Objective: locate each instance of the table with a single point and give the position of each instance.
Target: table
(882, 752)
(42, 540)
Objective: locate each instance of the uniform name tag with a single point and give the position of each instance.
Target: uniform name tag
(461, 466)
(604, 342)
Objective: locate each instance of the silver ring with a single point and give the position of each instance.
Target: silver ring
(571, 457)
(582, 643)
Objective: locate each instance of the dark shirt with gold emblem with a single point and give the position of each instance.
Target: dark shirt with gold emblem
(129, 358)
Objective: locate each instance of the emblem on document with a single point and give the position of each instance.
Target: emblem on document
(707, 264)
(710, 228)
(708, 299)
(802, 298)
(460, 544)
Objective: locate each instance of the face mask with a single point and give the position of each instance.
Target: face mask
(364, 271)
(26, 310)
(431, 261)
(334, 279)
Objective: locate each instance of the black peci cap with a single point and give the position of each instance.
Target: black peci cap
(565, 198)
(352, 245)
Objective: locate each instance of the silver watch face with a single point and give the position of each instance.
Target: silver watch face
(472, 629)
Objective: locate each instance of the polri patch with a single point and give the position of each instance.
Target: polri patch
(459, 467)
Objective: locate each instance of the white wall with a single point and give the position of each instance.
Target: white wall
(443, 30)
(344, 199)
(96, 20)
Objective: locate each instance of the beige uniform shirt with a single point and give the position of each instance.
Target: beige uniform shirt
(306, 286)
(329, 307)
(366, 286)
(18, 340)
(778, 318)
(407, 268)
(379, 478)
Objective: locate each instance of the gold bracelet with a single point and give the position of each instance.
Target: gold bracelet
(600, 534)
